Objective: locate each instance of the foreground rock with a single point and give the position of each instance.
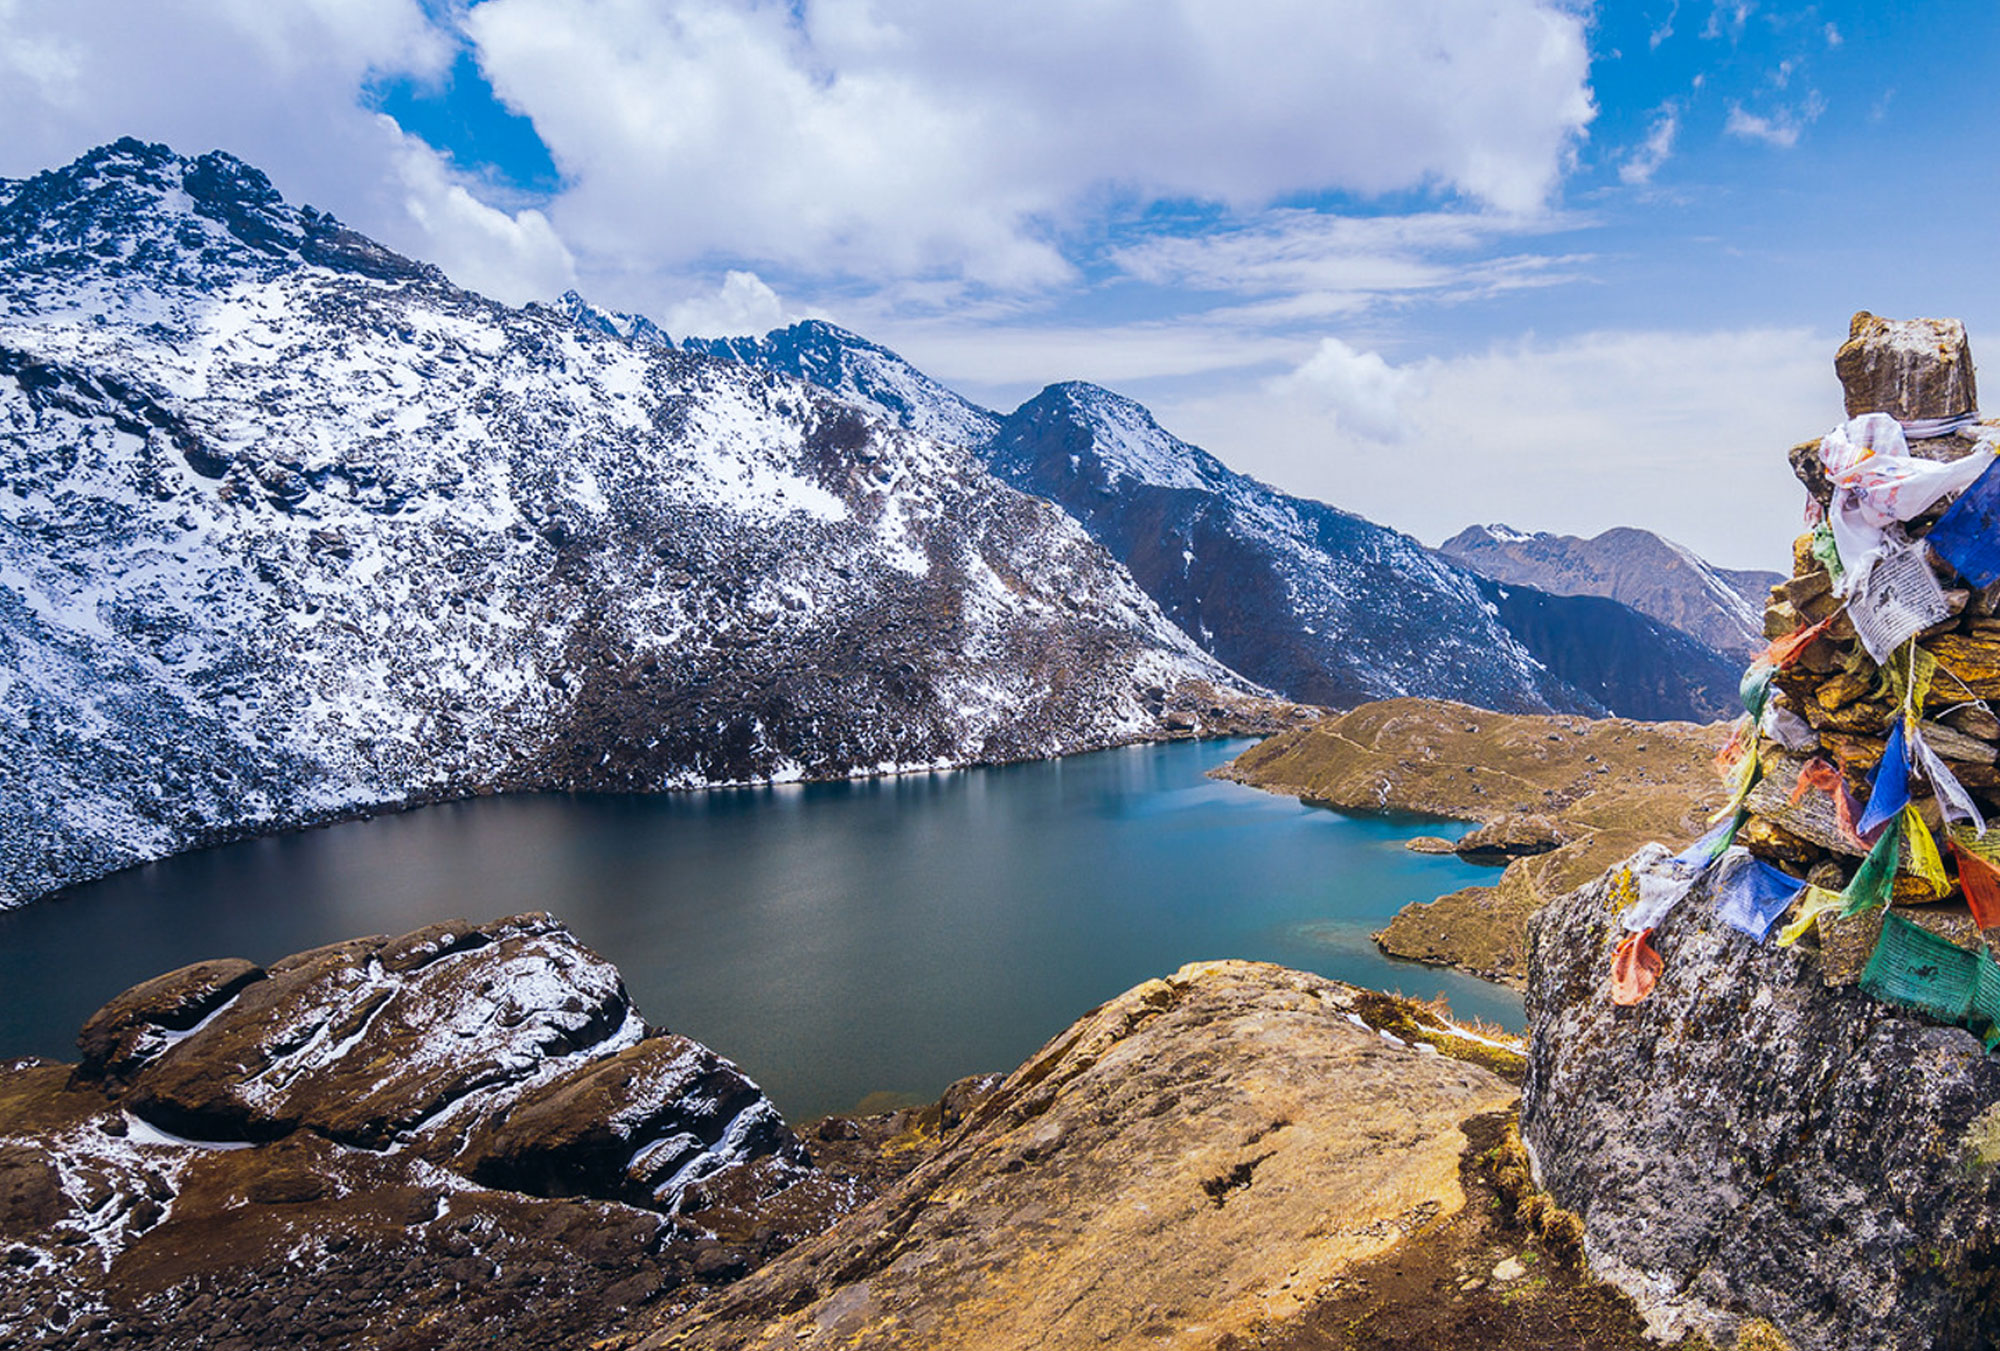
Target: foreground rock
(1749, 1142)
(1757, 1135)
(1198, 1159)
(1595, 791)
(418, 1142)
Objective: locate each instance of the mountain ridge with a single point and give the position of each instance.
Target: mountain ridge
(1307, 599)
(291, 528)
(1721, 607)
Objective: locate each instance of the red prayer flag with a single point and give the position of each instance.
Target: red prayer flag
(1822, 774)
(1784, 651)
(1635, 969)
(1981, 884)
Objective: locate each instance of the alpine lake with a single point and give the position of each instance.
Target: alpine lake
(853, 946)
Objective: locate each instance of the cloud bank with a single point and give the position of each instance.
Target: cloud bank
(891, 138)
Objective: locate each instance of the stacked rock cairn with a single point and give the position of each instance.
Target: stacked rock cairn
(1913, 370)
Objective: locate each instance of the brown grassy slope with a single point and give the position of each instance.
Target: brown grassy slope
(1611, 786)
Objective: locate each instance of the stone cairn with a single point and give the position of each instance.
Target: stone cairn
(1837, 706)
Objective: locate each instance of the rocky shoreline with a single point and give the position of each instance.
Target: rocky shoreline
(1558, 800)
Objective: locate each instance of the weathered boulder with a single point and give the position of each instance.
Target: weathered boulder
(1910, 369)
(642, 1126)
(464, 1136)
(137, 1026)
(1750, 1142)
(1198, 1158)
(367, 1042)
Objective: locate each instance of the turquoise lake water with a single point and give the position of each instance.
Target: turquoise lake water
(835, 940)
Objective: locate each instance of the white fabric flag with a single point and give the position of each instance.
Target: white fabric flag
(1876, 481)
(1898, 597)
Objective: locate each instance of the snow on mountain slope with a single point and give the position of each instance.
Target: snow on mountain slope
(290, 528)
(860, 372)
(1314, 602)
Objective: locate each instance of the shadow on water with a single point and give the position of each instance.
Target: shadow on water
(837, 940)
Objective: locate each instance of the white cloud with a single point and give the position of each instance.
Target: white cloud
(514, 258)
(1778, 132)
(1681, 433)
(1728, 18)
(1659, 35)
(891, 138)
(1359, 391)
(1647, 157)
(1781, 129)
(1001, 364)
(278, 85)
(742, 305)
(1301, 265)
(1833, 37)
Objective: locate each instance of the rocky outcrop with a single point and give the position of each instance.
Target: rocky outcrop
(407, 1142)
(1758, 1135)
(1603, 788)
(1748, 1142)
(1510, 836)
(1198, 1160)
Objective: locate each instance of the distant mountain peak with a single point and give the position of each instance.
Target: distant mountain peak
(1722, 607)
(631, 327)
(861, 372)
(1127, 444)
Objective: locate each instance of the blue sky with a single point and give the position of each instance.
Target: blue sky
(1437, 261)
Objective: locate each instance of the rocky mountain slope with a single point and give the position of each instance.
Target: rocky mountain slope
(1721, 607)
(1118, 1190)
(290, 527)
(1313, 602)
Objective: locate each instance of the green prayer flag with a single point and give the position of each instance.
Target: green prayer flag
(1755, 690)
(1913, 967)
(1875, 879)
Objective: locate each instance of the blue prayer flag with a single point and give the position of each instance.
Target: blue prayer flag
(1709, 847)
(1751, 895)
(1890, 792)
(1968, 535)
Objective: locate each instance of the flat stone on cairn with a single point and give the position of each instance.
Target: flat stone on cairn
(1911, 369)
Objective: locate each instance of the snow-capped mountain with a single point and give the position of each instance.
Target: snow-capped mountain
(1325, 605)
(1722, 607)
(632, 327)
(861, 372)
(290, 527)
(1314, 602)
